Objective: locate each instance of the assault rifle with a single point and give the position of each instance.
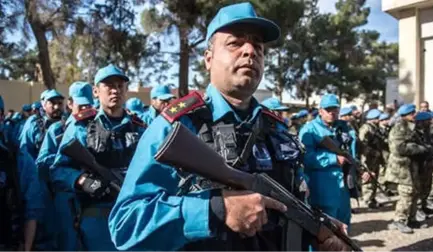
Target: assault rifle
(329, 144)
(77, 152)
(202, 160)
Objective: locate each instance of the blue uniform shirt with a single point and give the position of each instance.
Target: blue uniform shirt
(62, 172)
(50, 146)
(147, 214)
(321, 166)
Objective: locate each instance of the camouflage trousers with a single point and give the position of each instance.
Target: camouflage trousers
(406, 206)
(369, 189)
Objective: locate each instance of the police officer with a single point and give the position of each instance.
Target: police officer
(149, 209)
(31, 139)
(161, 97)
(324, 168)
(371, 155)
(111, 136)
(274, 105)
(423, 124)
(80, 101)
(403, 168)
(135, 106)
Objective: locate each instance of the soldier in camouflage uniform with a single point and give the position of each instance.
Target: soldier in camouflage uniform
(403, 168)
(371, 155)
(423, 121)
(383, 134)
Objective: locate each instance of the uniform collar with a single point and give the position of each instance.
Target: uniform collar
(106, 120)
(220, 107)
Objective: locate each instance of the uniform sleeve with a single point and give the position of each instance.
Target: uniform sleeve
(315, 158)
(398, 142)
(30, 187)
(47, 153)
(28, 139)
(147, 215)
(63, 172)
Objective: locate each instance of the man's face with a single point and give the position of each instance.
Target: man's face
(329, 115)
(160, 105)
(347, 118)
(54, 108)
(25, 114)
(410, 117)
(384, 122)
(424, 107)
(111, 92)
(236, 60)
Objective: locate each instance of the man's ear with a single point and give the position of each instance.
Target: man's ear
(208, 54)
(95, 90)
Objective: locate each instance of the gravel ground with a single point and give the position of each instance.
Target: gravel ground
(370, 229)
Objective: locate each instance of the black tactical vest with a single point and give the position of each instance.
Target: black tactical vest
(113, 150)
(260, 149)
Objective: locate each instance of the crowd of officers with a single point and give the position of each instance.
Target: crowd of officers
(49, 201)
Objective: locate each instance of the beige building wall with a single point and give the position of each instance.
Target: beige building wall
(415, 47)
(17, 93)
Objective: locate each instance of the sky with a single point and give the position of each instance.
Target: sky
(378, 20)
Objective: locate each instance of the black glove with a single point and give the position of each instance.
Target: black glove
(95, 187)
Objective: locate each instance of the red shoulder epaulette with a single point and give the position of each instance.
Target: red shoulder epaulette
(182, 106)
(273, 115)
(85, 114)
(137, 121)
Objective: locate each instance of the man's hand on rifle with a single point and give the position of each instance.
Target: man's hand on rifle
(341, 160)
(246, 210)
(92, 186)
(366, 176)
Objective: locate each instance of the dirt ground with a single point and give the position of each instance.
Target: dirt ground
(370, 230)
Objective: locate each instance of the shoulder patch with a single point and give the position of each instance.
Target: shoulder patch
(182, 106)
(137, 121)
(273, 116)
(85, 114)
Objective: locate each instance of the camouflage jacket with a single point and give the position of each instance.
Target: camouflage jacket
(405, 147)
(370, 144)
(383, 135)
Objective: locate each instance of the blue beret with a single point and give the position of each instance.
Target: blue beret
(346, 111)
(373, 114)
(406, 109)
(109, 71)
(242, 13)
(422, 116)
(134, 105)
(384, 116)
(302, 113)
(354, 107)
(329, 100)
(294, 117)
(274, 104)
(314, 112)
(161, 92)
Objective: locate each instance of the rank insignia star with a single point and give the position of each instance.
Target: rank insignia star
(173, 110)
(182, 105)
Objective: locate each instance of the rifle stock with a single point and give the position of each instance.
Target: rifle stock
(77, 152)
(200, 159)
